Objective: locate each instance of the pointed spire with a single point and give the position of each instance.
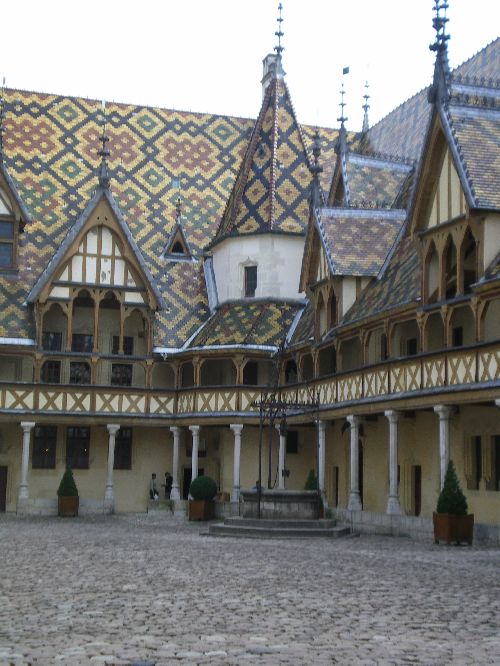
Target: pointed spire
(316, 169)
(439, 91)
(366, 106)
(279, 33)
(103, 173)
(2, 115)
(342, 143)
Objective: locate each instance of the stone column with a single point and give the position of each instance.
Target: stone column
(27, 427)
(393, 505)
(195, 430)
(174, 493)
(321, 457)
(281, 458)
(236, 428)
(354, 503)
(444, 412)
(108, 493)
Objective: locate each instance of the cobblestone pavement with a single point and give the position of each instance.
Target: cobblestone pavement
(123, 589)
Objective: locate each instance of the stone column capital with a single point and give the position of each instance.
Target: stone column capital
(236, 428)
(497, 403)
(392, 415)
(195, 429)
(354, 420)
(444, 411)
(175, 430)
(27, 426)
(113, 428)
(321, 425)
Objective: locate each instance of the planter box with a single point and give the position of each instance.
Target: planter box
(201, 510)
(448, 527)
(68, 506)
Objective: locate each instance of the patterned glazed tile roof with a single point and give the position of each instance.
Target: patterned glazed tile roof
(357, 242)
(247, 323)
(493, 270)
(398, 285)
(305, 327)
(374, 181)
(272, 187)
(476, 131)
(50, 149)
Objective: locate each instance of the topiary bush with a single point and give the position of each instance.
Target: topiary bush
(451, 498)
(67, 487)
(311, 481)
(203, 488)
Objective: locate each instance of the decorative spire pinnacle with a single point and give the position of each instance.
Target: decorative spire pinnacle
(316, 169)
(440, 88)
(342, 142)
(178, 206)
(2, 115)
(279, 33)
(104, 176)
(342, 105)
(366, 106)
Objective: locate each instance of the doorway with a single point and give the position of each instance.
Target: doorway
(186, 480)
(360, 472)
(417, 489)
(3, 489)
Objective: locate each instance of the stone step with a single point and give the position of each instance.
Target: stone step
(273, 523)
(262, 532)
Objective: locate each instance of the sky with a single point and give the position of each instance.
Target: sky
(206, 55)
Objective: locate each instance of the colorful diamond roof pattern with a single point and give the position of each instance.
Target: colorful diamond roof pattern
(262, 323)
(357, 242)
(271, 191)
(373, 181)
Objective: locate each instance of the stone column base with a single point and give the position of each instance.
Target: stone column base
(393, 507)
(354, 502)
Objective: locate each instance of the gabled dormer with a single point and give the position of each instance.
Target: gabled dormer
(177, 247)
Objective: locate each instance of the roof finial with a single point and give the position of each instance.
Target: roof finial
(366, 106)
(279, 33)
(342, 142)
(316, 169)
(2, 115)
(104, 153)
(178, 206)
(439, 91)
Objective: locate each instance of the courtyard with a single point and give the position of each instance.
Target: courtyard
(130, 588)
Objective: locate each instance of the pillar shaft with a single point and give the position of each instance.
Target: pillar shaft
(321, 456)
(195, 431)
(281, 458)
(444, 412)
(174, 493)
(354, 498)
(236, 428)
(27, 427)
(393, 505)
(112, 430)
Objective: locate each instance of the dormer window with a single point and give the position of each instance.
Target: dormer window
(250, 281)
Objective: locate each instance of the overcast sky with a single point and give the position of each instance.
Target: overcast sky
(206, 55)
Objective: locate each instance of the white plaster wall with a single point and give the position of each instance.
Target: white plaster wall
(278, 259)
(491, 243)
(348, 293)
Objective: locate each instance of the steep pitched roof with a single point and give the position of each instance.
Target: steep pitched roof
(356, 241)
(270, 192)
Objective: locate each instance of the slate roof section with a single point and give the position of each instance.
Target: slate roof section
(374, 181)
(304, 330)
(398, 285)
(357, 242)
(271, 190)
(256, 322)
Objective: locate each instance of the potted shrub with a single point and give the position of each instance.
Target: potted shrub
(202, 492)
(311, 481)
(67, 495)
(451, 521)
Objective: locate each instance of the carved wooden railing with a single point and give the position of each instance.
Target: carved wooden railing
(466, 368)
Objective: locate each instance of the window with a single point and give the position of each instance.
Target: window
(128, 345)
(52, 341)
(250, 373)
(250, 281)
(458, 336)
(44, 447)
(496, 462)
(6, 244)
(477, 458)
(121, 374)
(79, 373)
(51, 372)
(383, 347)
(123, 449)
(292, 441)
(82, 342)
(177, 248)
(411, 347)
(77, 448)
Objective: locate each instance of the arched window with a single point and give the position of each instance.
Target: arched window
(431, 275)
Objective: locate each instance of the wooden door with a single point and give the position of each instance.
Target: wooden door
(3, 488)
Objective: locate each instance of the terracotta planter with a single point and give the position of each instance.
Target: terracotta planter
(448, 527)
(68, 506)
(201, 510)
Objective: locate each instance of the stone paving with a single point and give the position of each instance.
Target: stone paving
(125, 589)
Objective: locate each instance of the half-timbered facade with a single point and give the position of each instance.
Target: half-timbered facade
(151, 292)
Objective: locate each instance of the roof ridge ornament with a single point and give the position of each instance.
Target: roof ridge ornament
(342, 144)
(178, 208)
(316, 169)
(104, 153)
(440, 89)
(366, 106)
(2, 116)
(279, 33)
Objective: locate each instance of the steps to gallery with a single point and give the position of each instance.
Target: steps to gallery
(278, 528)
